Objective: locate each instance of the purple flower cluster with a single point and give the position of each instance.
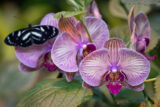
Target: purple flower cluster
(100, 61)
(140, 32)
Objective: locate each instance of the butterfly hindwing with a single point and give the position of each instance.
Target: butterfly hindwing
(49, 31)
(40, 34)
(33, 35)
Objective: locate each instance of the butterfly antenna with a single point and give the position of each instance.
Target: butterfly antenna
(29, 25)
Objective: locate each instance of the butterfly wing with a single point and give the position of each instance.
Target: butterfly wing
(51, 31)
(46, 30)
(33, 35)
(25, 39)
(17, 39)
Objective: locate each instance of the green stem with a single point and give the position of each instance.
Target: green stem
(85, 27)
(147, 97)
(148, 103)
(114, 100)
(150, 80)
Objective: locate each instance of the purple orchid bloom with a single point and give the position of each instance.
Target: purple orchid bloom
(73, 45)
(92, 10)
(116, 66)
(35, 57)
(140, 32)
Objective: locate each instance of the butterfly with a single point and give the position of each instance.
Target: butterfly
(37, 34)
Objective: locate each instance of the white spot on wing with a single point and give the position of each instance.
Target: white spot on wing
(36, 34)
(26, 36)
(19, 33)
(23, 31)
(37, 28)
(42, 29)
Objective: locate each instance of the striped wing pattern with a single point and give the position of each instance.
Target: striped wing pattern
(37, 34)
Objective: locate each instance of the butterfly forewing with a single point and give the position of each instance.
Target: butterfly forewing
(33, 35)
(13, 39)
(25, 39)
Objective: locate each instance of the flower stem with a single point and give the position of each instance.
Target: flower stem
(85, 27)
(147, 97)
(150, 80)
(114, 100)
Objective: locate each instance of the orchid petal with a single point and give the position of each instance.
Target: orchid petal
(135, 88)
(113, 45)
(25, 68)
(133, 37)
(94, 66)
(150, 57)
(92, 10)
(131, 19)
(30, 56)
(82, 31)
(142, 25)
(70, 76)
(69, 25)
(98, 30)
(64, 53)
(85, 85)
(134, 65)
(141, 45)
(49, 20)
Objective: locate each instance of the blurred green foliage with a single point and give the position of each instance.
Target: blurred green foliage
(16, 14)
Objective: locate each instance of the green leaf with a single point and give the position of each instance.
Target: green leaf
(74, 4)
(143, 2)
(79, 5)
(55, 93)
(87, 2)
(157, 88)
(139, 7)
(12, 81)
(129, 97)
(154, 38)
(121, 32)
(155, 31)
(155, 22)
(69, 14)
(117, 10)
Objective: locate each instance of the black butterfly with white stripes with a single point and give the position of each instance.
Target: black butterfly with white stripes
(37, 34)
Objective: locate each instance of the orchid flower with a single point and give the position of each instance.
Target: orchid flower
(115, 66)
(140, 32)
(35, 57)
(92, 10)
(73, 45)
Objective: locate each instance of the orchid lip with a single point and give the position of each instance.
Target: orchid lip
(115, 74)
(115, 77)
(48, 64)
(114, 87)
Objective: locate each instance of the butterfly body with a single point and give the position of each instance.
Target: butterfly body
(37, 34)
